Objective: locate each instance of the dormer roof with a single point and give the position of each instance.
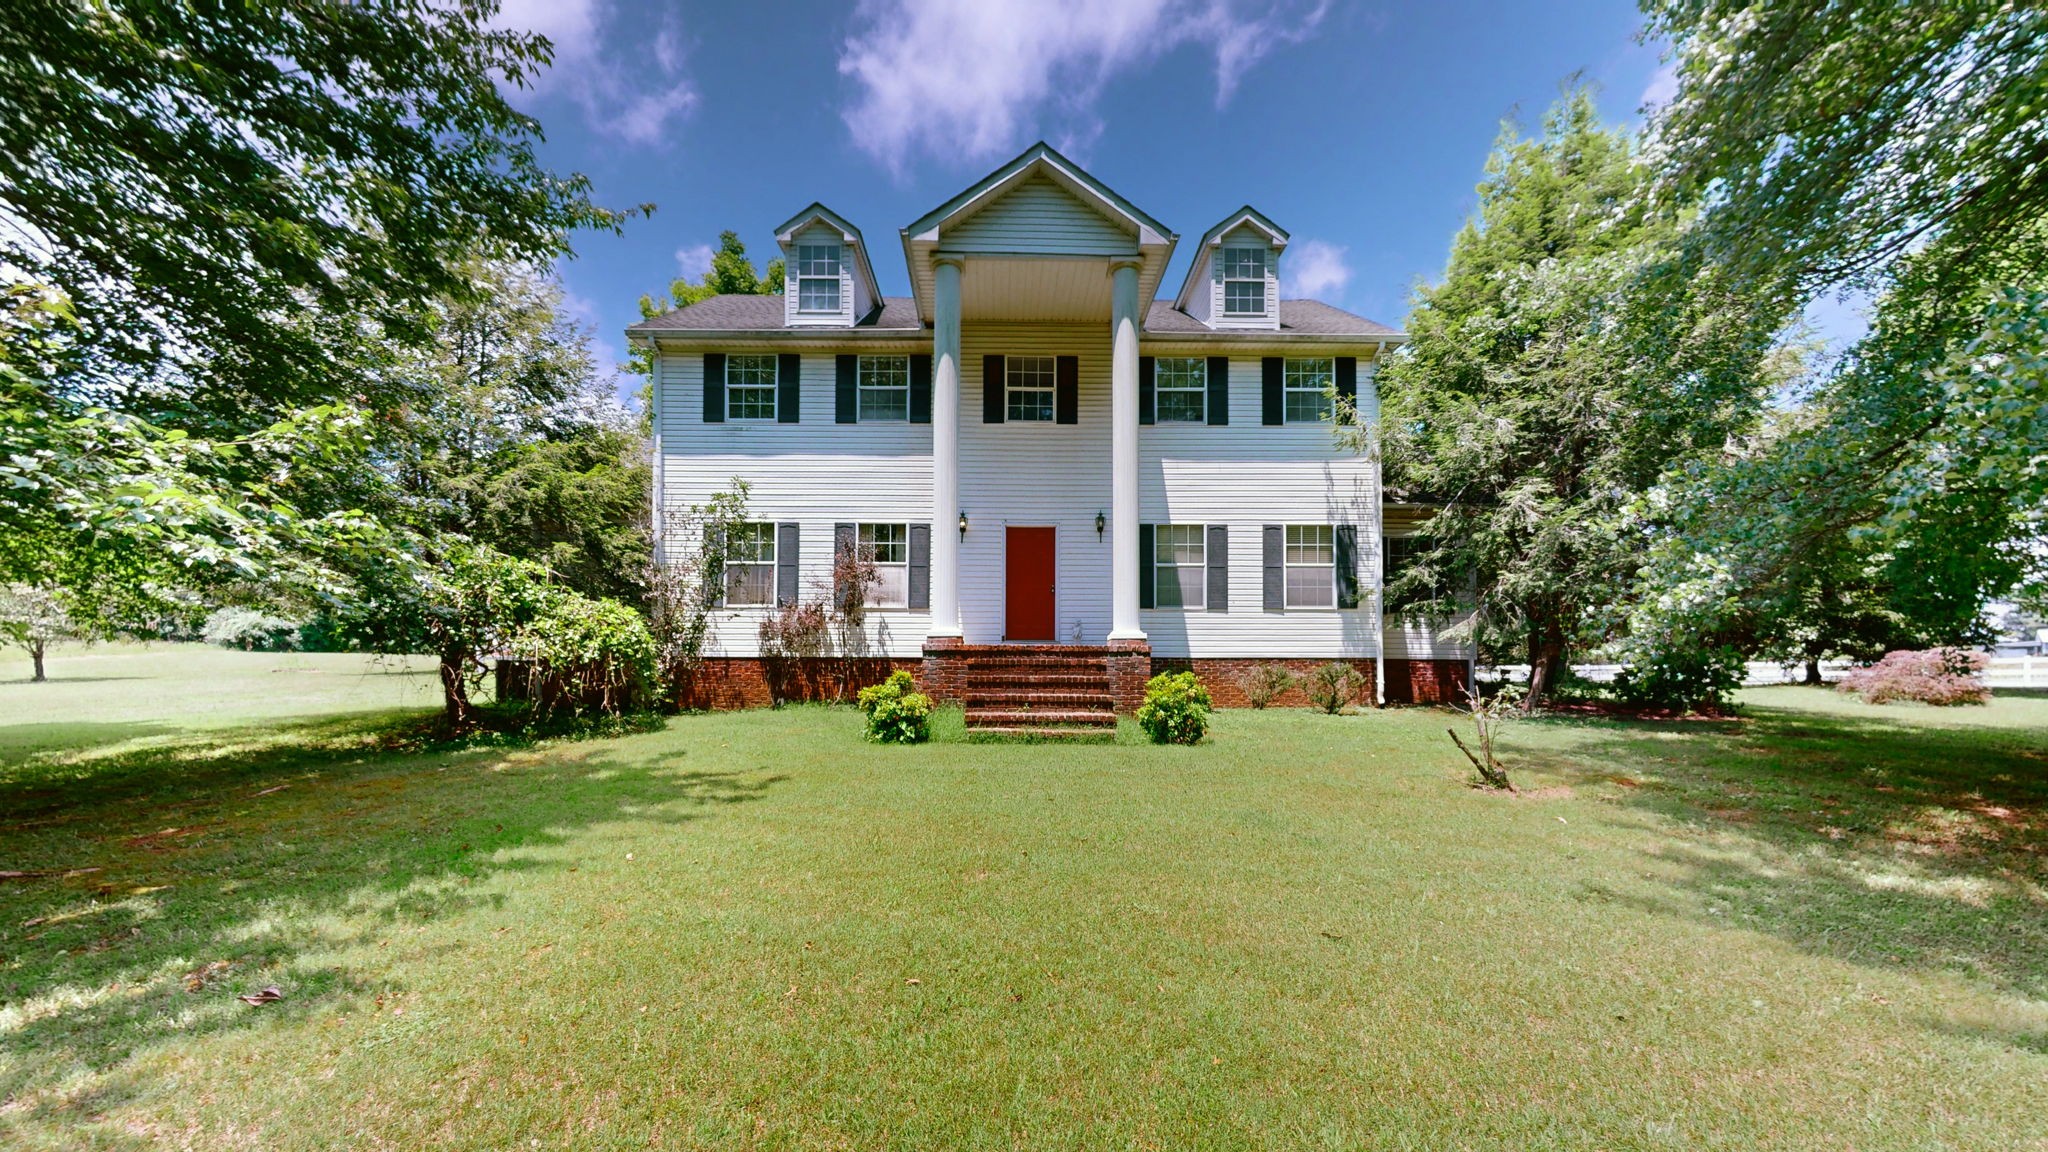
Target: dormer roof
(817, 213)
(1245, 217)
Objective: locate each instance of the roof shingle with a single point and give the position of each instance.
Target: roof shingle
(739, 313)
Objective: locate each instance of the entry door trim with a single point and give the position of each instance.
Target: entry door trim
(1055, 559)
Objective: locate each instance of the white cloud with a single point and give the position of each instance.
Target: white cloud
(693, 260)
(969, 79)
(1662, 87)
(631, 92)
(1314, 268)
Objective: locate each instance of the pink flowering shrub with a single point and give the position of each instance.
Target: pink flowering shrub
(1940, 676)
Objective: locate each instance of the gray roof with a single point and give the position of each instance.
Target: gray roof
(739, 313)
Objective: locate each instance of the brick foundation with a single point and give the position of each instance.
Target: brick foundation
(1427, 681)
(1221, 677)
(728, 682)
(1130, 665)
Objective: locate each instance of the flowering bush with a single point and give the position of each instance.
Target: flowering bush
(1332, 686)
(251, 630)
(896, 713)
(1263, 684)
(1681, 678)
(1176, 709)
(1939, 676)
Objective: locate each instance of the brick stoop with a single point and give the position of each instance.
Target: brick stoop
(1041, 691)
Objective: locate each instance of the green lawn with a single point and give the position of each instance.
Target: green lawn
(1824, 926)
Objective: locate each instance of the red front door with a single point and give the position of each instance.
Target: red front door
(1027, 583)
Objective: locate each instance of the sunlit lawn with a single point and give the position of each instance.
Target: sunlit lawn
(1823, 926)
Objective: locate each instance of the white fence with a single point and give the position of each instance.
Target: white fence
(2003, 672)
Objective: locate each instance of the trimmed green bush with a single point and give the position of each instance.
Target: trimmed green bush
(897, 713)
(1678, 679)
(1176, 709)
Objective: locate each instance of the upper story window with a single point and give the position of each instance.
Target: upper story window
(1311, 385)
(817, 277)
(750, 387)
(1028, 388)
(750, 565)
(1180, 558)
(887, 547)
(884, 388)
(1180, 390)
(1311, 566)
(1244, 282)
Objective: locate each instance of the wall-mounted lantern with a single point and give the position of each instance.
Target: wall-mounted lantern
(1100, 523)
(963, 523)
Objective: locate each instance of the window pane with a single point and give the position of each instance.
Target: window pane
(1166, 587)
(741, 371)
(1311, 588)
(1311, 544)
(1179, 544)
(749, 584)
(751, 542)
(886, 543)
(1193, 583)
(892, 584)
(1030, 380)
(1181, 407)
(885, 404)
(1307, 407)
(816, 295)
(1244, 296)
(1180, 389)
(1244, 264)
(885, 388)
(817, 260)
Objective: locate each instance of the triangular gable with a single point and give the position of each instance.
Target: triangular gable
(1040, 160)
(817, 213)
(1245, 217)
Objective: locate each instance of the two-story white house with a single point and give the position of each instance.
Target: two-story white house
(1042, 449)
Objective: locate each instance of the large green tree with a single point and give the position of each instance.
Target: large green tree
(731, 274)
(1566, 359)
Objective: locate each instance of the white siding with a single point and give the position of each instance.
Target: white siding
(1039, 216)
(819, 233)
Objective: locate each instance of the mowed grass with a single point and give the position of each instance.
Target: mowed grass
(1822, 926)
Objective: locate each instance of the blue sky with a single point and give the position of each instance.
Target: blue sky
(1358, 126)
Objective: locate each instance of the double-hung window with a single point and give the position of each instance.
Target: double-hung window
(1310, 386)
(750, 387)
(1244, 282)
(1179, 566)
(1311, 566)
(884, 388)
(750, 565)
(817, 277)
(887, 547)
(1028, 388)
(1180, 389)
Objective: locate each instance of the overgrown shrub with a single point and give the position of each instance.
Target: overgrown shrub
(1938, 676)
(1176, 709)
(589, 656)
(1681, 678)
(1264, 684)
(897, 714)
(251, 630)
(1332, 686)
(794, 638)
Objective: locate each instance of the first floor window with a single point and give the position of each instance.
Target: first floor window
(1310, 386)
(885, 388)
(887, 547)
(1180, 389)
(1311, 566)
(750, 565)
(1399, 556)
(1179, 565)
(817, 284)
(1028, 384)
(750, 387)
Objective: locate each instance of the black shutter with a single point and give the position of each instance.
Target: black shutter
(920, 389)
(1148, 579)
(1066, 390)
(920, 594)
(1347, 566)
(991, 389)
(844, 537)
(1147, 373)
(1219, 568)
(846, 391)
(789, 374)
(714, 387)
(785, 563)
(1274, 407)
(1275, 548)
(1219, 389)
(1347, 383)
(714, 564)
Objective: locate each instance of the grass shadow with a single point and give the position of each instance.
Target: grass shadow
(1862, 838)
(225, 861)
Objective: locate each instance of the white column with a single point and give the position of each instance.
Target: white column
(1123, 452)
(946, 446)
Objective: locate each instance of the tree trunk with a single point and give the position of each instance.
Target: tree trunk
(1813, 671)
(1546, 661)
(455, 707)
(35, 655)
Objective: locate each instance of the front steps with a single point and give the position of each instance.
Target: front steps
(1038, 691)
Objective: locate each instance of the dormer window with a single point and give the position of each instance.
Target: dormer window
(817, 271)
(1244, 281)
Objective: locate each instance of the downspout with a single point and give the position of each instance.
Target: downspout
(1379, 543)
